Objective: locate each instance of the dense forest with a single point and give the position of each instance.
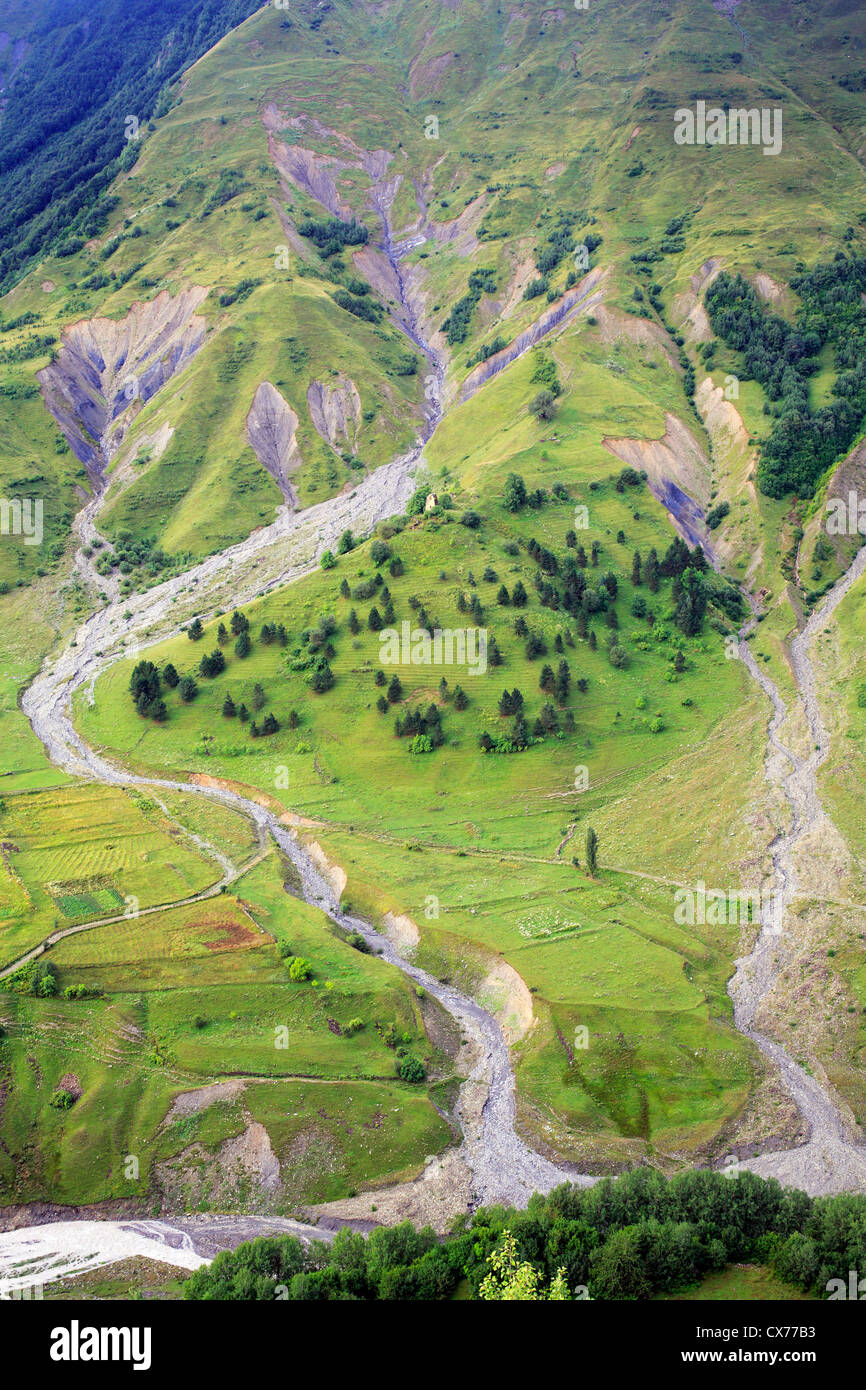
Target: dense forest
(803, 441)
(628, 1239)
(64, 133)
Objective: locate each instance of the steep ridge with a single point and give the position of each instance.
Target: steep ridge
(106, 370)
(270, 429)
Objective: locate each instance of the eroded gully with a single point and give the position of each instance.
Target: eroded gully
(830, 1161)
(502, 1167)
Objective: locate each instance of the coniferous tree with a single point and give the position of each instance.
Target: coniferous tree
(563, 682)
(591, 851)
(212, 664)
(651, 571)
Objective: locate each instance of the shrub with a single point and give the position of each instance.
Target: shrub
(62, 1099)
(411, 1069)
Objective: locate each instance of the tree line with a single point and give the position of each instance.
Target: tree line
(626, 1239)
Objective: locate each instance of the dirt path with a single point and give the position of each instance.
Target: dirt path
(499, 1165)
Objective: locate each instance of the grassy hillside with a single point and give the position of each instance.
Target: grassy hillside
(330, 191)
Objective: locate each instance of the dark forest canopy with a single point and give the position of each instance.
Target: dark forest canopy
(803, 441)
(627, 1239)
(91, 65)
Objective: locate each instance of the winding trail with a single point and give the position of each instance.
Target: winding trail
(501, 1166)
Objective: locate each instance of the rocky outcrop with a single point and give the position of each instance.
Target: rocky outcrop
(107, 369)
(270, 429)
(336, 412)
(677, 473)
(688, 307)
(584, 297)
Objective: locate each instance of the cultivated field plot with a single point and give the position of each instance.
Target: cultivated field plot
(87, 852)
(177, 1000)
(478, 849)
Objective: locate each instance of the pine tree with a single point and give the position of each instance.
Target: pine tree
(170, 676)
(563, 682)
(243, 645)
(195, 630)
(258, 700)
(591, 851)
(651, 571)
(229, 707)
(222, 634)
(635, 569)
(461, 699)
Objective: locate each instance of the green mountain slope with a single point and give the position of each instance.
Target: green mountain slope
(464, 234)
